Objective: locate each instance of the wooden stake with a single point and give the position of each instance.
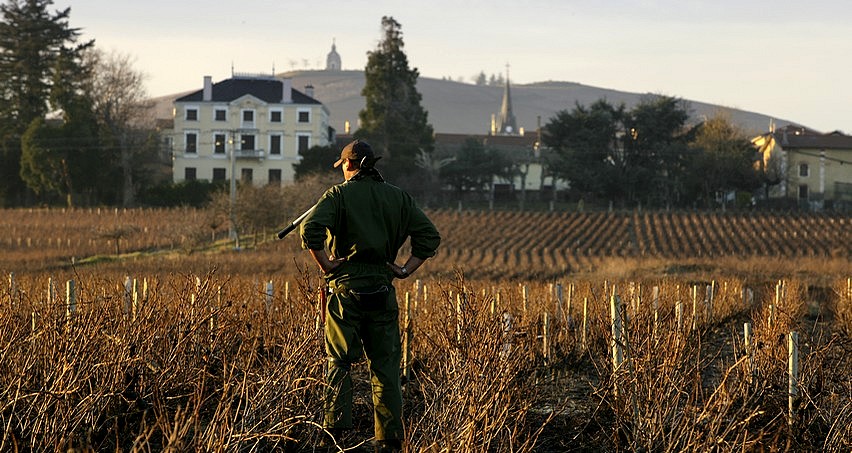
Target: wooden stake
(128, 294)
(70, 300)
(269, 293)
(708, 303)
(679, 315)
(545, 343)
(617, 334)
(135, 308)
(406, 346)
(13, 288)
(51, 291)
(747, 340)
(560, 316)
(585, 320)
(694, 307)
(655, 296)
(508, 322)
(459, 318)
(793, 361)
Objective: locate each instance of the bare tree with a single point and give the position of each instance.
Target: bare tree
(123, 109)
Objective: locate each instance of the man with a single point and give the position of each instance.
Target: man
(365, 221)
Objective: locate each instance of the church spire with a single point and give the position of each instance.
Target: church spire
(507, 124)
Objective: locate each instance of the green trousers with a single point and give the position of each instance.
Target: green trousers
(350, 331)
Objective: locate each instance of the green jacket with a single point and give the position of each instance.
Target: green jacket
(367, 221)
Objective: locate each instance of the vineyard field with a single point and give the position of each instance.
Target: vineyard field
(499, 244)
(146, 330)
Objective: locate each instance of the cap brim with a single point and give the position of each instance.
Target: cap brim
(337, 164)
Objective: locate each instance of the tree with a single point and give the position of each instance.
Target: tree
(317, 159)
(586, 147)
(724, 160)
(654, 146)
(32, 42)
(431, 165)
(124, 114)
(393, 120)
(473, 168)
(480, 79)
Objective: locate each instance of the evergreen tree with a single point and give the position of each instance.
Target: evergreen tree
(317, 159)
(473, 168)
(586, 147)
(393, 121)
(480, 79)
(34, 45)
(655, 148)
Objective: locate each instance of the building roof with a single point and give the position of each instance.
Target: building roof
(527, 140)
(503, 141)
(793, 137)
(264, 88)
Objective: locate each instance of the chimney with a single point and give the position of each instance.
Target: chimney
(309, 90)
(208, 88)
(286, 91)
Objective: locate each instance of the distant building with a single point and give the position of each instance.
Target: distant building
(332, 61)
(505, 123)
(526, 150)
(259, 120)
(808, 167)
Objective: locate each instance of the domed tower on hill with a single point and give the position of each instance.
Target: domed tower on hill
(332, 61)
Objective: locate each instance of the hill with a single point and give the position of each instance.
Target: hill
(462, 108)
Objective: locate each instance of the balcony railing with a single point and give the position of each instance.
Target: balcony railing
(249, 153)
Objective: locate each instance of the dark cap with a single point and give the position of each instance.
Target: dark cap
(358, 150)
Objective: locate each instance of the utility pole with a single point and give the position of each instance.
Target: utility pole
(232, 230)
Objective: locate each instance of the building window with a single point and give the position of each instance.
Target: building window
(304, 116)
(276, 116)
(274, 176)
(191, 141)
(191, 114)
(803, 192)
(804, 171)
(247, 142)
(275, 145)
(220, 115)
(219, 174)
(219, 144)
(304, 144)
(248, 118)
(189, 173)
(246, 175)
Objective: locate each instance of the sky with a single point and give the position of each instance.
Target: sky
(790, 60)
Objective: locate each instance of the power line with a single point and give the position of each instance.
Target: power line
(835, 159)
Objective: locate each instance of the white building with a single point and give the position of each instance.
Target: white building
(250, 126)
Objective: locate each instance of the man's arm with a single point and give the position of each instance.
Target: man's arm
(406, 269)
(325, 263)
(424, 242)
